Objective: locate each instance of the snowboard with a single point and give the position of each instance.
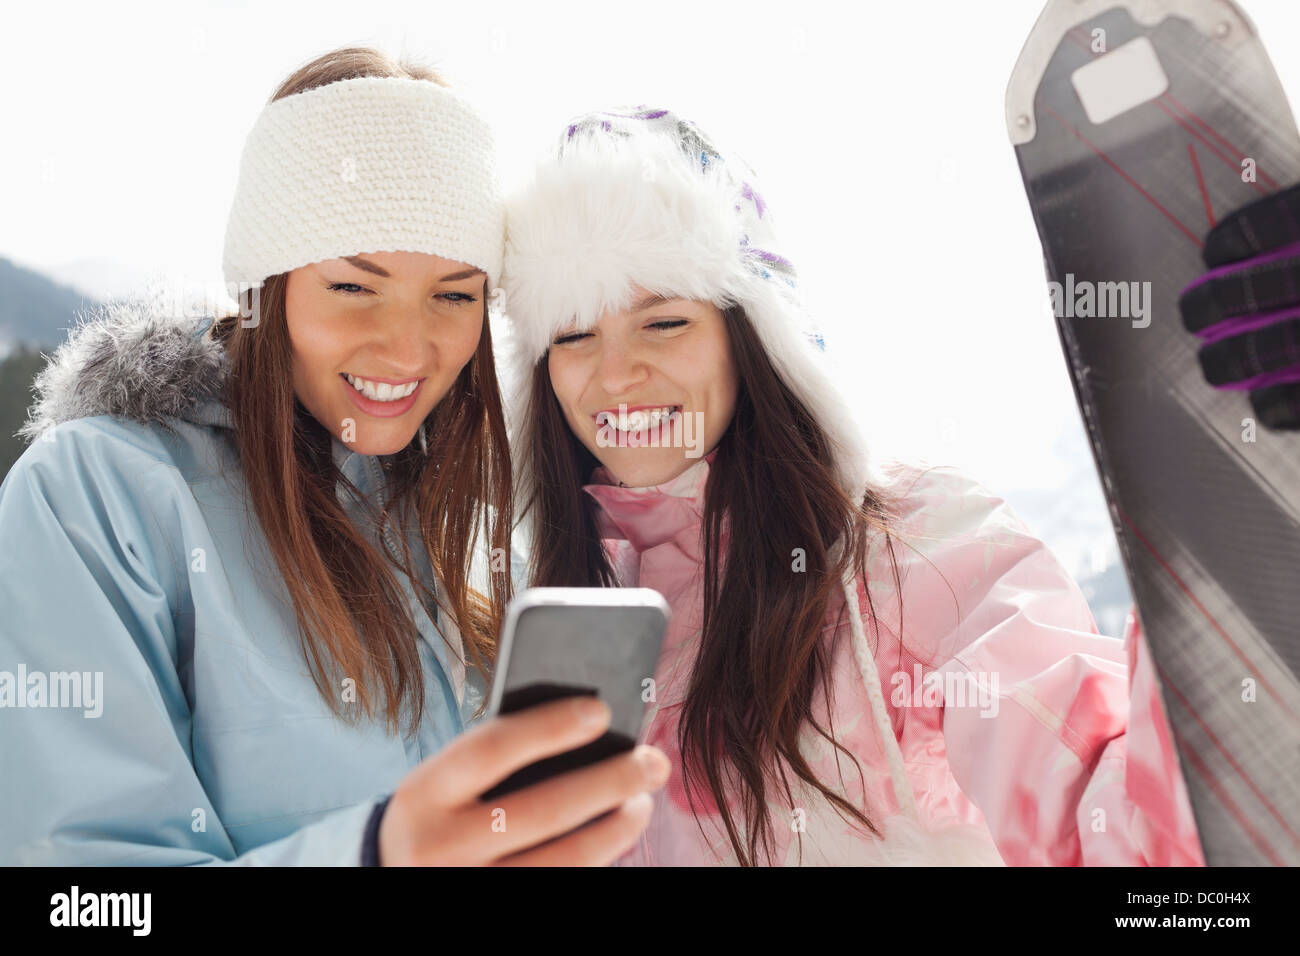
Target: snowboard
(1137, 125)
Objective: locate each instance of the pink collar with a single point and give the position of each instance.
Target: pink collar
(649, 516)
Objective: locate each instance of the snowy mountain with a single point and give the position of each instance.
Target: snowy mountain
(101, 279)
(35, 309)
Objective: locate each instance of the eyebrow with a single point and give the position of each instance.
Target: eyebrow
(368, 266)
(652, 300)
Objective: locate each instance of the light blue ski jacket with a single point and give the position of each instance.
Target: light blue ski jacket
(155, 704)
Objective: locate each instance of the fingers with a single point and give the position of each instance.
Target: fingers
(490, 752)
(1246, 309)
(1277, 407)
(569, 800)
(1265, 285)
(598, 843)
(1268, 223)
(553, 807)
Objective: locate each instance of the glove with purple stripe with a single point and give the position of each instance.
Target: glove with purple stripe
(1246, 309)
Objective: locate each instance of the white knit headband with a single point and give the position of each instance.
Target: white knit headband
(371, 164)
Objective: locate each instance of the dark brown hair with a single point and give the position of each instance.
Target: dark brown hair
(353, 617)
(762, 654)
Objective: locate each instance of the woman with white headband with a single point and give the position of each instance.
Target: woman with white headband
(244, 612)
(864, 665)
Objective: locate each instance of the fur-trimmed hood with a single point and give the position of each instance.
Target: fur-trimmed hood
(131, 360)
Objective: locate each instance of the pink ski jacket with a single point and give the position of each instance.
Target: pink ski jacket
(1004, 729)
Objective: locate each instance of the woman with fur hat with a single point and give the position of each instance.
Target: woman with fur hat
(866, 663)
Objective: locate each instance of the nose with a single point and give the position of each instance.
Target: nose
(404, 342)
(621, 368)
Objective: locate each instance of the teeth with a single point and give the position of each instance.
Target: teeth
(645, 418)
(381, 391)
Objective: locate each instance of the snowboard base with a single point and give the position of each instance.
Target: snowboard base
(1136, 126)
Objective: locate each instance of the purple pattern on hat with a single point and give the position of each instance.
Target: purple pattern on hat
(698, 147)
(586, 123)
(642, 113)
(771, 257)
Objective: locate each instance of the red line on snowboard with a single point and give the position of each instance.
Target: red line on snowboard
(1200, 180)
(1131, 181)
(1213, 132)
(1197, 133)
(1079, 35)
(1231, 643)
(1227, 754)
(1207, 615)
(1226, 800)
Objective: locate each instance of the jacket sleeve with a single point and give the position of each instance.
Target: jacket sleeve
(84, 587)
(1073, 764)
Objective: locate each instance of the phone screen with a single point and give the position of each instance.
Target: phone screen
(560, 643)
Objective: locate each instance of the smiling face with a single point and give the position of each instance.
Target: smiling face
(649, 390)
(379, 339)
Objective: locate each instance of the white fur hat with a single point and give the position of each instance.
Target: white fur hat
(641, 197)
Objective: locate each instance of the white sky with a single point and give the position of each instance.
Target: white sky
(876, 129)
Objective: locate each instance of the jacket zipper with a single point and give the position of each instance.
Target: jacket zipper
(381, 493)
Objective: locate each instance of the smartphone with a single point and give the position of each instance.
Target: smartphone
(567, 642)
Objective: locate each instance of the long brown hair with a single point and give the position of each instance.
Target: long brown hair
(353, 617)
(772, 487)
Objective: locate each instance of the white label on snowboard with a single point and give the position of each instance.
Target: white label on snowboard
(1120, 80)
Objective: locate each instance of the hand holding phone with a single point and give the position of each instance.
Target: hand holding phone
(534, 785)
(568, 642)
(588, 817)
